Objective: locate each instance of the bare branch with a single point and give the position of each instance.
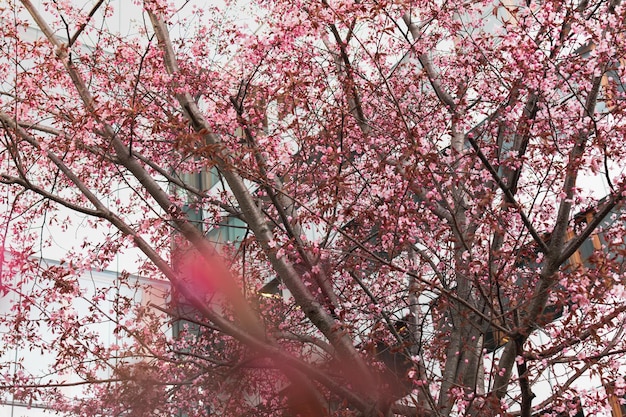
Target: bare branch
(508, 194)
(82, 27)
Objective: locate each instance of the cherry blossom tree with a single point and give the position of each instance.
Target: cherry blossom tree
(415, 188)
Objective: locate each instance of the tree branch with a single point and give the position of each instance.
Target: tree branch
(424, 60)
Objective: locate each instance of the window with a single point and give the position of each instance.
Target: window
(231, 229)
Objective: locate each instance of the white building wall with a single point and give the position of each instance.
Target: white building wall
(40, 363)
